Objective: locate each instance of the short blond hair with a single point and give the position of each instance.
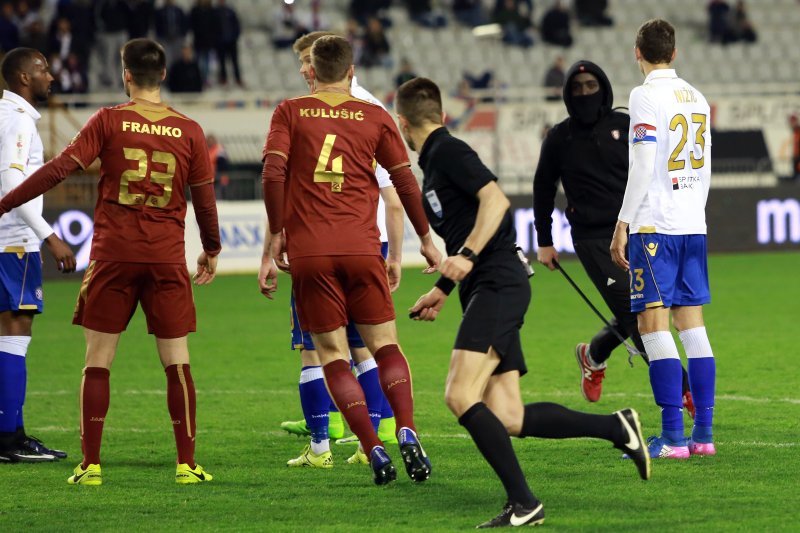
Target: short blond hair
(305, 41)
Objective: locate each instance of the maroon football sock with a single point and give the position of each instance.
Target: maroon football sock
(182, 407)
(94, 407)
(349, 397)
(395, 379)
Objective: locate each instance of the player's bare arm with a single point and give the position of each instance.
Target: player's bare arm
(619, 242)
(394, 230)
(493, 205)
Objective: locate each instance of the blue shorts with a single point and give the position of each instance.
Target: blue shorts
(301, 340)
(21, 282)
(668, 270)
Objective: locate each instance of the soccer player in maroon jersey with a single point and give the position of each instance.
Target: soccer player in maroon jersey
(320, 187)
(148, 154)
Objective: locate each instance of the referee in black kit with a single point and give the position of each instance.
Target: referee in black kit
(468, 210)
(588, 153)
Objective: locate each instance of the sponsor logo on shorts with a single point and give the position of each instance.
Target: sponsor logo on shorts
(637, 296)
(652, 248)
(38, 293)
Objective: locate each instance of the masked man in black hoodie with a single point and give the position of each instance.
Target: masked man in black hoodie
(588, 153)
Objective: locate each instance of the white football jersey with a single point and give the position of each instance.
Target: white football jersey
(21, 149)
(666, 110)
(381, 173)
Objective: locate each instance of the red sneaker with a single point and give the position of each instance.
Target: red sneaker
(591, 377)
(688, 403)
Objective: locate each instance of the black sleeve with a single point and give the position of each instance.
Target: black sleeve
(545, 183)
(463, 167)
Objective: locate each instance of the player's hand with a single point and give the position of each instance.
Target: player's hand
(206, 269)
(618, 244)
(268, 277)
(456, 267)
(394, 271)
(431, 254)
(428, 305)
(277, 249)
(548, 256)
(65, 259)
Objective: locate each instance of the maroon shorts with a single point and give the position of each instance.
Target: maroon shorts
(329, 289)
(110, 292)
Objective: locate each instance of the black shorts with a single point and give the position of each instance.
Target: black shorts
(494, 299)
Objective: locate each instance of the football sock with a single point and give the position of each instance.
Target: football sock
(395, 379)
(553, 421)
(13, 376)
(491, 438)
(315, 400)
(702, 378)
(387, 429)
(349, 397)
(367, 374)
(182, 408)
(94, 407)
(666, 382)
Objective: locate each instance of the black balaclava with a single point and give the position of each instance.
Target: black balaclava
(587, 110)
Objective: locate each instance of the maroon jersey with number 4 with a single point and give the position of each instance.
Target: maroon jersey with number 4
(331, 142)
(148, 154)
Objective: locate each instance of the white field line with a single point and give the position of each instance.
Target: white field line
(433, 436)
(292, 391)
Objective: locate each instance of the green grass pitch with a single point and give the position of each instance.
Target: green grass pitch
(246, 379)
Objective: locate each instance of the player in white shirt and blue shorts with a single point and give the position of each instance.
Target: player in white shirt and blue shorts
(664, 212)
(21, 232)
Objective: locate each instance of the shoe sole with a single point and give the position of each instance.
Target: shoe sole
(385, 475)
(637, 426)
(580, 367)
(416, 467)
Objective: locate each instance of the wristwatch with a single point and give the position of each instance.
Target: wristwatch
(469, 254)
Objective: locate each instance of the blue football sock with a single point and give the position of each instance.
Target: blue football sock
(666, 379)
(13, 375)
(367, 374)
(386, 411)
(702, 370)
(315, 401)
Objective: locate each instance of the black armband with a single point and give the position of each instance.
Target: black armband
(446, 285)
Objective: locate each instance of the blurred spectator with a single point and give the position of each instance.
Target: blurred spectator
(376, 48)
(469, 12)
(70, 75)
(184, 74)
(718, 21)
(592, 12)
(515, 18)
(228, 32)
(354, 35)
(112, 34)
(171, 27)
(741, 29)
(25, 18)
(141, 18)
(61, 43)
(555, 26)
(363, 10)
(313, 18)
(204, 26)
(421, 12)
(405, 73)
(81, 16)
(794, 124)
(286, 27)
(35, 36)
(9, 32)
(554, 80)
(219, 166)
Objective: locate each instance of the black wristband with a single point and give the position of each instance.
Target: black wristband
(446, 285)
(469, 254)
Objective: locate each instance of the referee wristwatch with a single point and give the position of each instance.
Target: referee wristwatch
(468, 253)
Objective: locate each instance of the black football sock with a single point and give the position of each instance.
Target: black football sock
(492, 440)
(553, 421)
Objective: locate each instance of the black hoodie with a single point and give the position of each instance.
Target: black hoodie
(591, 160)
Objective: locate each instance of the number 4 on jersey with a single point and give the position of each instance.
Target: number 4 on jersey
(334, 176)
